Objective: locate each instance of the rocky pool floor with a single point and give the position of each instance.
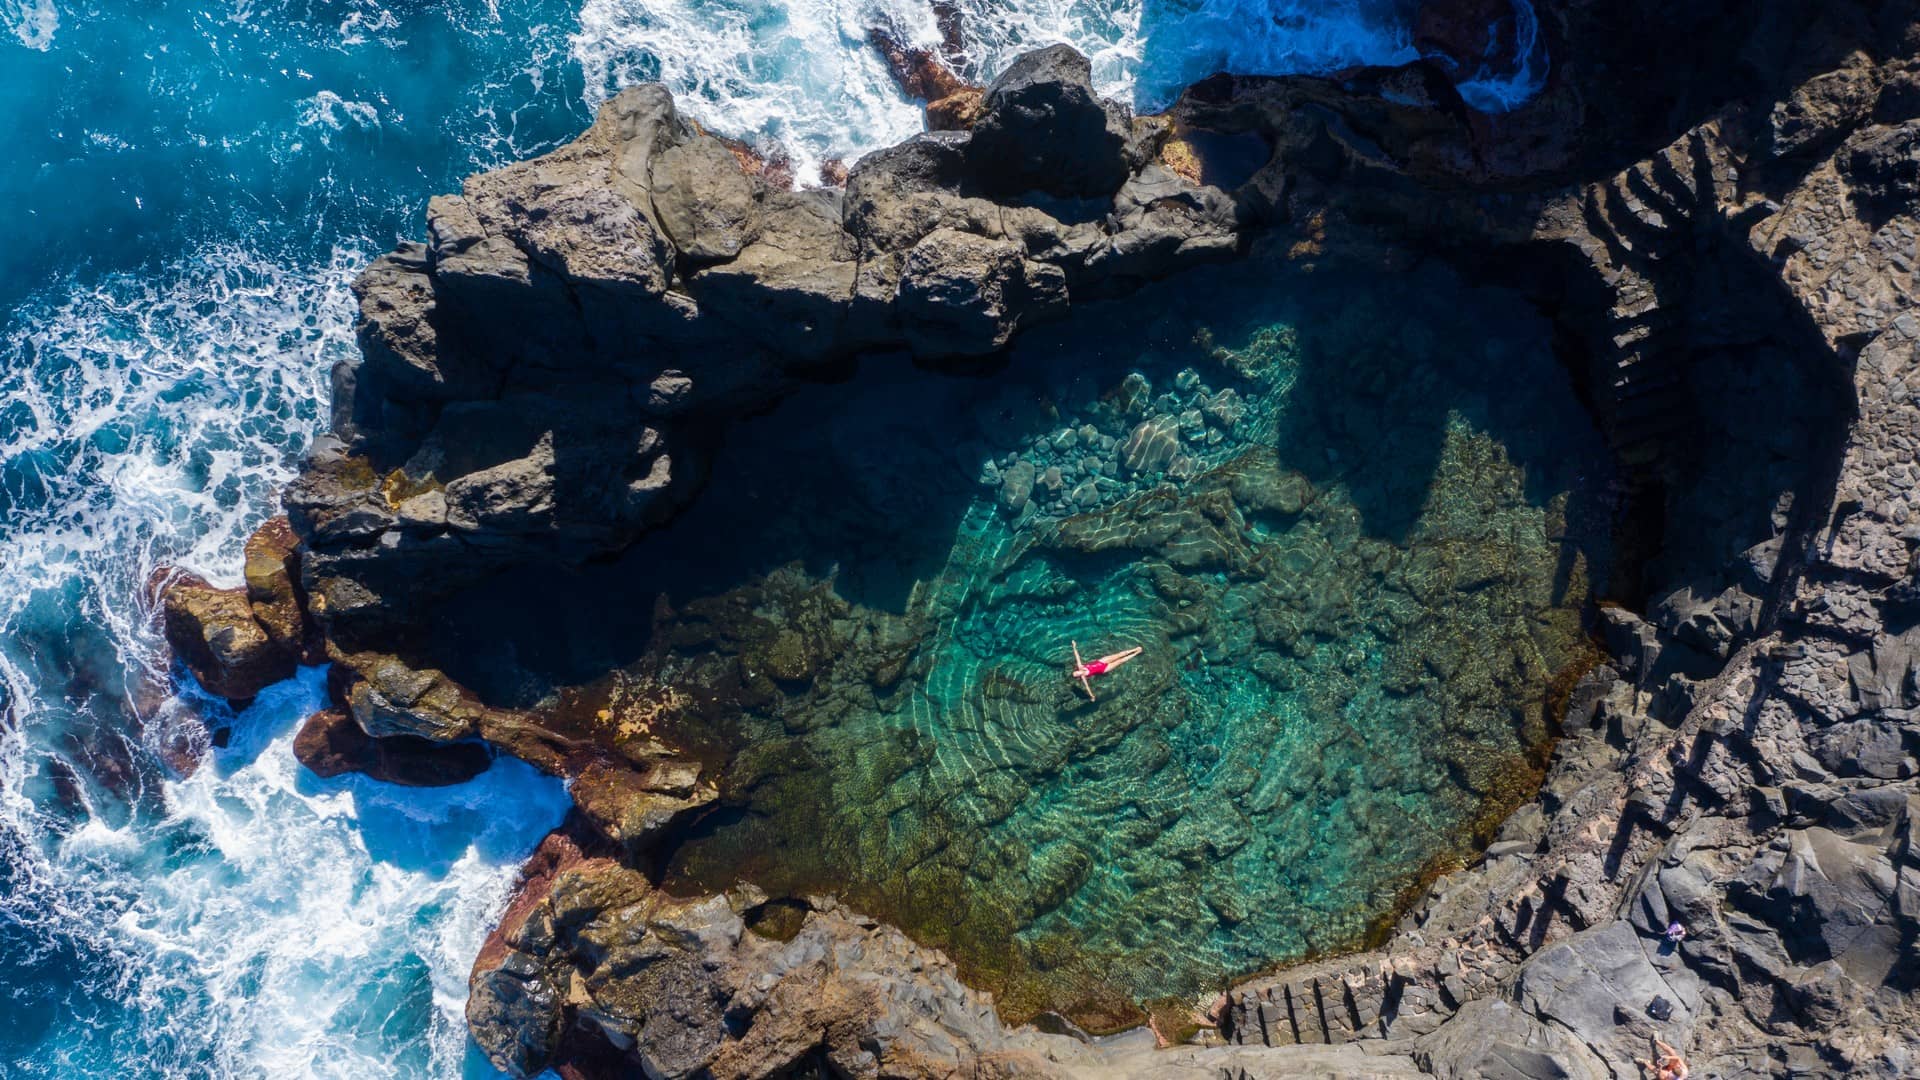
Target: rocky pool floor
(1351, 518)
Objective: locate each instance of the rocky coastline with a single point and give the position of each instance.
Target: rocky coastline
(1721, 228)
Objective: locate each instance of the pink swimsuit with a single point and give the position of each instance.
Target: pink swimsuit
(1098, 667)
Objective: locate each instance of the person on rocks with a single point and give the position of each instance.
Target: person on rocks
(1676, 933)
(1667, 1064)
(1084, 671)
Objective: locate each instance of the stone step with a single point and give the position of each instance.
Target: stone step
(1649, 325)
(1641, 181)
(1619, 249)
(1673, 172)
(1642, 228)
(1644, 396)
(1713, 169)
(1311, 1010)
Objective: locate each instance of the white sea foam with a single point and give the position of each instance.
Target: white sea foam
(329, 110)
(32, 22)
(251, 919)
(800, 74)
(794, 73)
(1499, 91)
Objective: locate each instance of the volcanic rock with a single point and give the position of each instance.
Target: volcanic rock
(1044, 129)
(331, 743)
(215, 634)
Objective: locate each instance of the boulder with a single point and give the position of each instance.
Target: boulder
(1016, 486)
(1882, 166)
(1825, 107)
(704, 201)
(788, 289)
(330, 744)
(1042, 128)
(272, 571)
(1151, 446)
(394, 699)
(958, 111)
(1593, 981)
(1491, 1039)
(964, 295)
(214, 633)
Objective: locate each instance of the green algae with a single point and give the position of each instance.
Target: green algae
(1355, 550)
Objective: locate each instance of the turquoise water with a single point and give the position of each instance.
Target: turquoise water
(192, 188)
(1355, 564)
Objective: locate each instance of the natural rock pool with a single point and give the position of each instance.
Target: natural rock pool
(1351, 516)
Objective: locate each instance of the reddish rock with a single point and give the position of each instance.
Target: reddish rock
(561, 849)
(330, 744)
(953, 39)
(773, 167)
(153, 594)
(957, 111)
(920, 74)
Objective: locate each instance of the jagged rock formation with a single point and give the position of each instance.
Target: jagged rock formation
(668, 285)
(1726, 254)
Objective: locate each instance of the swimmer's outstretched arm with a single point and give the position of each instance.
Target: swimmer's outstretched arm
(1080, 672)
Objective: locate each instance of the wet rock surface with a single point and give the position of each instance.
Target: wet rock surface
(331, 743)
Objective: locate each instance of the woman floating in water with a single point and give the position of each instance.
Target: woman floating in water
(1084, 671)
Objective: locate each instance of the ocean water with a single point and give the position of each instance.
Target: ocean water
(191, 188)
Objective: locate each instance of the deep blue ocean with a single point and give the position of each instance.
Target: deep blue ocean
(187, 191)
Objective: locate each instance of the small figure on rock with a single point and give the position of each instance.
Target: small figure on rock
(1084, 671)
(1667, 1064)
(1676, 933)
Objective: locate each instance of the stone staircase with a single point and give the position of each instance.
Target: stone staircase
(1638, 229)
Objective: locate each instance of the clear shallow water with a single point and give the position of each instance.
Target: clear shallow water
(1356, 560)
(191, 189)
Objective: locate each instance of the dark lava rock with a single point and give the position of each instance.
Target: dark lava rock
(330, 743)
(1467, 35)
(1882, 165)
(1044, 129)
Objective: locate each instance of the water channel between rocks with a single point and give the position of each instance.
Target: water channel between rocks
(1351, 517)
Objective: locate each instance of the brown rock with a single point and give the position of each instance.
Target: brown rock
(635, 807)
(214, 633)
(273, 588)
(330, 744)
(956, 111)
(919, 72)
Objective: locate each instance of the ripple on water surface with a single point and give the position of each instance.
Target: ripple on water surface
(1348, 518)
